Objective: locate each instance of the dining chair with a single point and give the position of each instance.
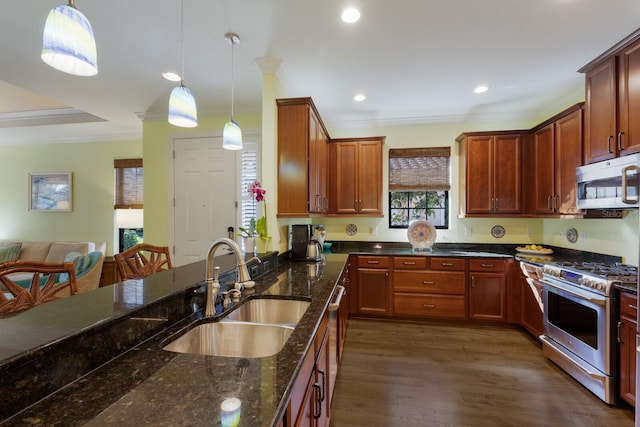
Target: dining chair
(43, 286)
(142, 260)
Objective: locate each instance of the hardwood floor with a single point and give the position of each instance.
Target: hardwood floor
(432, 374)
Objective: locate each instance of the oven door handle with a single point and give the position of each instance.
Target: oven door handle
(595, 301)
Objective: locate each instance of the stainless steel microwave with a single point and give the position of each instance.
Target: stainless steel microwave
(609, 184)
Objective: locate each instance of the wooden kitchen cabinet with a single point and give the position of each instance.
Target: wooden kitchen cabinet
(373, 289)
(343, 311)
(492, 173)
(310, 398)
(557, 151)
(421, 292)
(302, 159)
(487, 289)
(626, 340)
(109, 274)
(356, 176)
(612, 102)
(532, 314)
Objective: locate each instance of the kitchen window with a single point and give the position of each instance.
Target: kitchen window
(419, 184)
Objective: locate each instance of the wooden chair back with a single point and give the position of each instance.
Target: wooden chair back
(42, 288)
(142, 260)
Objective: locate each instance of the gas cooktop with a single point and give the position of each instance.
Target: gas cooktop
(599, 277)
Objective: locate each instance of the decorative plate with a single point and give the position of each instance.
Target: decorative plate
(351, 230)
(572, 235)
(497, 231)
(422, 234)
(544, 251)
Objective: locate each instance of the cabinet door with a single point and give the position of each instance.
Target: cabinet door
(507, 174)
(628, 136)
(600, 112)
(323, 388)
(293, 157)
(568, 155)
(479, 166)
(543, 173)
(487, 296)
(531, 307)
(346, 154)
(314, 182)
(626, 338)
(369, 177)
(373, 291)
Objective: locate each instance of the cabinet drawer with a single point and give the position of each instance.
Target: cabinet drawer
(457, 264)
(373, 261)
(489, 264)
(628, 305)
(449, 306)
(431, 282)
(410, 263)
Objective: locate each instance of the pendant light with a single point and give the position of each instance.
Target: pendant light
(232, 134)
(68, 43)
(182, 104)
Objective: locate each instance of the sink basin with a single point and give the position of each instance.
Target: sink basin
(271, 311)
(231, 339)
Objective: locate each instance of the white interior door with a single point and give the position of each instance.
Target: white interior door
(205, 196)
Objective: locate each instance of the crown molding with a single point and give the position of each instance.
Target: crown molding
(57, 116)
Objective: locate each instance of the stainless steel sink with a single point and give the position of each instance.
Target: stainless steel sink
(232, 339)
(270, 311)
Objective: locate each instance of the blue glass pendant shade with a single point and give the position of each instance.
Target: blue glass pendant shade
(232, 136)
(182, 108)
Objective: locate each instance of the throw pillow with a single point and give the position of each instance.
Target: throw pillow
(80, 264)
(10, 253)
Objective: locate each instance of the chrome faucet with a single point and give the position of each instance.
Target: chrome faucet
(242, 274)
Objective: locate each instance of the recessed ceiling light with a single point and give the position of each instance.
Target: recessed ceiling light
(350, 15)
(481, 89)
(172, 77)
(359, 97)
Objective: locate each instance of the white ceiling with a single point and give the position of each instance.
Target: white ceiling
(417, 61)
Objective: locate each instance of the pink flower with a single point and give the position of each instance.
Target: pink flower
(256, 190)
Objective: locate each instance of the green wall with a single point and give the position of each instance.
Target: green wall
(92, 218)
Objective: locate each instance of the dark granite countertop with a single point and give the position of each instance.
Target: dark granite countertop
(147, 385)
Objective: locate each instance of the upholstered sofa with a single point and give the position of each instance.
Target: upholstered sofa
(87, 279)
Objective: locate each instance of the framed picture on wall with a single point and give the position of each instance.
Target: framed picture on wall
(50, 192)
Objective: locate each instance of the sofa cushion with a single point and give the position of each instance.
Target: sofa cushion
(81, 264)
(10, 253)
(59, 250)
(35, 251)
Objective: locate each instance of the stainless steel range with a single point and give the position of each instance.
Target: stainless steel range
(579, 318)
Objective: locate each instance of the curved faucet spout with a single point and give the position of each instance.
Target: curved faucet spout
(212, 284)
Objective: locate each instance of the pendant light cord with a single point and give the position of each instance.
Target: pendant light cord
(182, 42)
(232, 79)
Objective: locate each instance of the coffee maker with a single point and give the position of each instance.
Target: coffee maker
(304, 247)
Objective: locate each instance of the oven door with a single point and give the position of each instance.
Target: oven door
(578, 320)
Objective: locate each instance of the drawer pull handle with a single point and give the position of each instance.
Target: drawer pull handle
(409, 263)
(487, 265)
(446, 264)
(428, 305)
(633, 307)
(373, 262)
(428, 282)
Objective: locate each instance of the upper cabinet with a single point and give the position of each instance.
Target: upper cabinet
(556, 151)
(302, 159)
(356, 176)
(612, 105)
(492, 173)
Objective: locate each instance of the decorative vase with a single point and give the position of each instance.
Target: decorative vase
(262, 244)
(249, 245)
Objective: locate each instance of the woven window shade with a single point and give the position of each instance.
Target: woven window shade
(129, 181)
(419, 169)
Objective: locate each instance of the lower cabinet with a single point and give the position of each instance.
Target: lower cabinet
(487, 290)
(310, 399)
(373, 290)
(421, 292)
(626, 340)
(531, 314)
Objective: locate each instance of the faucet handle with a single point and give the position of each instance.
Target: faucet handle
(216, 273)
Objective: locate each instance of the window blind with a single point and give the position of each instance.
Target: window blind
(249, 173)
(128, 183)
(419, 169)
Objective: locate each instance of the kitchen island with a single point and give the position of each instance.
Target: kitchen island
(147, 385)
